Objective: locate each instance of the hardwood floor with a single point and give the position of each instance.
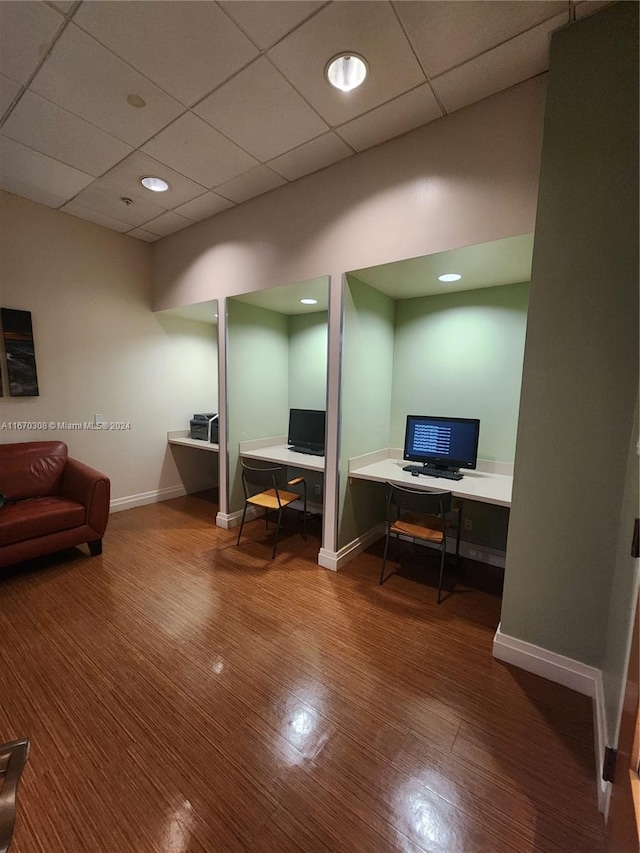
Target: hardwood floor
(184, 695)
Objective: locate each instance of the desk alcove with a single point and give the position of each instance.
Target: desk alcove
(415, 345)
(276, 360)
(194, 333)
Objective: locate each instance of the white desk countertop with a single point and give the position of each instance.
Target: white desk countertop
(275, 450)
(181, 436)
(480, 485)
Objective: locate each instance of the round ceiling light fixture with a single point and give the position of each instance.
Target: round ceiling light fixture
(346, 71)
(156, 185)
(450, 276)
(309, 301)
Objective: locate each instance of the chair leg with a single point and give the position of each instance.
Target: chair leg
(275, 541)
(442, 556)
(95, 547)
(384, 560)
(244, 512)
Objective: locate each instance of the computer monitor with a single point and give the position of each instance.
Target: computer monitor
(447, 443)
(306, 431)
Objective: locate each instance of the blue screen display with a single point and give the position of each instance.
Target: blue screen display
(451, 442)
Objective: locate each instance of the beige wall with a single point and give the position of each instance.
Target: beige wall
(467, 178)
(100, 349)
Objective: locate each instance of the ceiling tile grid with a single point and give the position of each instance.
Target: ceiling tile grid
(228, 100)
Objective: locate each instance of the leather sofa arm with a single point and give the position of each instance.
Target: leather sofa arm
(90, 488)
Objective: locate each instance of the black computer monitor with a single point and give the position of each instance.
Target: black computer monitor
(306, 431)
(448, 443)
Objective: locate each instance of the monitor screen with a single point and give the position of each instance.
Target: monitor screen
(306, 429)
(444, 442)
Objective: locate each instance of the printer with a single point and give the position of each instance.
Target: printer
(205, 427)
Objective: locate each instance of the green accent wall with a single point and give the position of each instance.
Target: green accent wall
(457, 354)
(275, 362)
(460, 355)
(367, 369)
(257, 381)
(308, 361)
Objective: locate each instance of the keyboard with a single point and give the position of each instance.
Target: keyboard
(432, 471)
(305, 450)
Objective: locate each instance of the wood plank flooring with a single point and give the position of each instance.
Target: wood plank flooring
(184, 695)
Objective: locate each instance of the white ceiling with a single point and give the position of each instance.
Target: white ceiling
(227, 100)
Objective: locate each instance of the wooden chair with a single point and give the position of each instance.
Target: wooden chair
(13, 757)
(263, 489)
(421, 515)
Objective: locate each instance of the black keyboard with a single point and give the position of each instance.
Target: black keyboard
(305, 450)
(432, 471)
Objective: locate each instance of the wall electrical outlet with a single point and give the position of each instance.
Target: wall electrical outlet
(318, 488)
(468, 524)
(98, 419)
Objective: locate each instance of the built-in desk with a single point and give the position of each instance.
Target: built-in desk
(490, 483)
(182, 437)
(275, 450)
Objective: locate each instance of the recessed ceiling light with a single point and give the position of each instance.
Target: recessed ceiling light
(156, 185)
(309, 301)
(450, 276)
(346, 71)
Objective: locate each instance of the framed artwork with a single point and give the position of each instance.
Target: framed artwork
(20, 351)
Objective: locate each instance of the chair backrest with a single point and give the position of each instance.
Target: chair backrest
(401, 499)
(255, 480)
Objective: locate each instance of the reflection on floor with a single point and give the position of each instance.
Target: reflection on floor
(184, 695)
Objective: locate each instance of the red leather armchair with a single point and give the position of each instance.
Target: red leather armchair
(51, 501)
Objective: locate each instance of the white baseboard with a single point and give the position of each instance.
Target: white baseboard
(335, 560)
(227, 520)
(482, 553)
(570, 673)
(144, 498)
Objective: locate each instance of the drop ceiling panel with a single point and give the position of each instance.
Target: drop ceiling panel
(61, 135)
(124, 180)
(186, 48)
(313, 155)
(367, 28)
(204, 206)
(104, 201)
(446, 34)
(265, 23)
(510, 63)
(250, 184)
(194, 148)
(398, 116)
(75, 209)
(260, 111)
(27, 30)
(88, 80)
(8, 90)
(43, 179)
(167, 223)
(141, 234)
